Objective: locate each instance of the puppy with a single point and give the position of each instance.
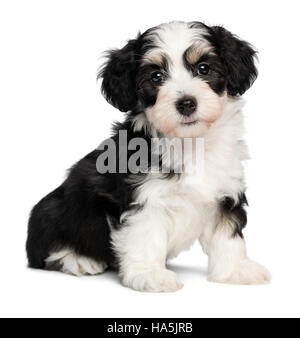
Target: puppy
(175, 82)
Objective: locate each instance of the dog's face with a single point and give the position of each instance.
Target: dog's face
(180, 75)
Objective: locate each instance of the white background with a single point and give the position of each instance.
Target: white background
(52, 114)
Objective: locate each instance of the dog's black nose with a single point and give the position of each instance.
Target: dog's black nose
(186, 106)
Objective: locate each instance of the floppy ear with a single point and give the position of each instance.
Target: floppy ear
(118, 85)
(238, 58)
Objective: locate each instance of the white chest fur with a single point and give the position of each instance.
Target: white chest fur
(180, 209)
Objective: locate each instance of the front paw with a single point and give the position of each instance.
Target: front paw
(244, 272)
(154, 280)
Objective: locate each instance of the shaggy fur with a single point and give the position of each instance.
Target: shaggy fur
(177, 80)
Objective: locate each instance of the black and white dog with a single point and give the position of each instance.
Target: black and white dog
(175, 81)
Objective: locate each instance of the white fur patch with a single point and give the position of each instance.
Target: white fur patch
(74, 264)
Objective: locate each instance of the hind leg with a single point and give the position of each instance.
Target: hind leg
(69, 262)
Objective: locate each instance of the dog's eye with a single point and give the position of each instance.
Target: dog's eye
(203, 69)
(157, 77)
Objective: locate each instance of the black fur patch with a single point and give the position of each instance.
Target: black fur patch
(235, 212)
(119, 85)
(238, 58)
